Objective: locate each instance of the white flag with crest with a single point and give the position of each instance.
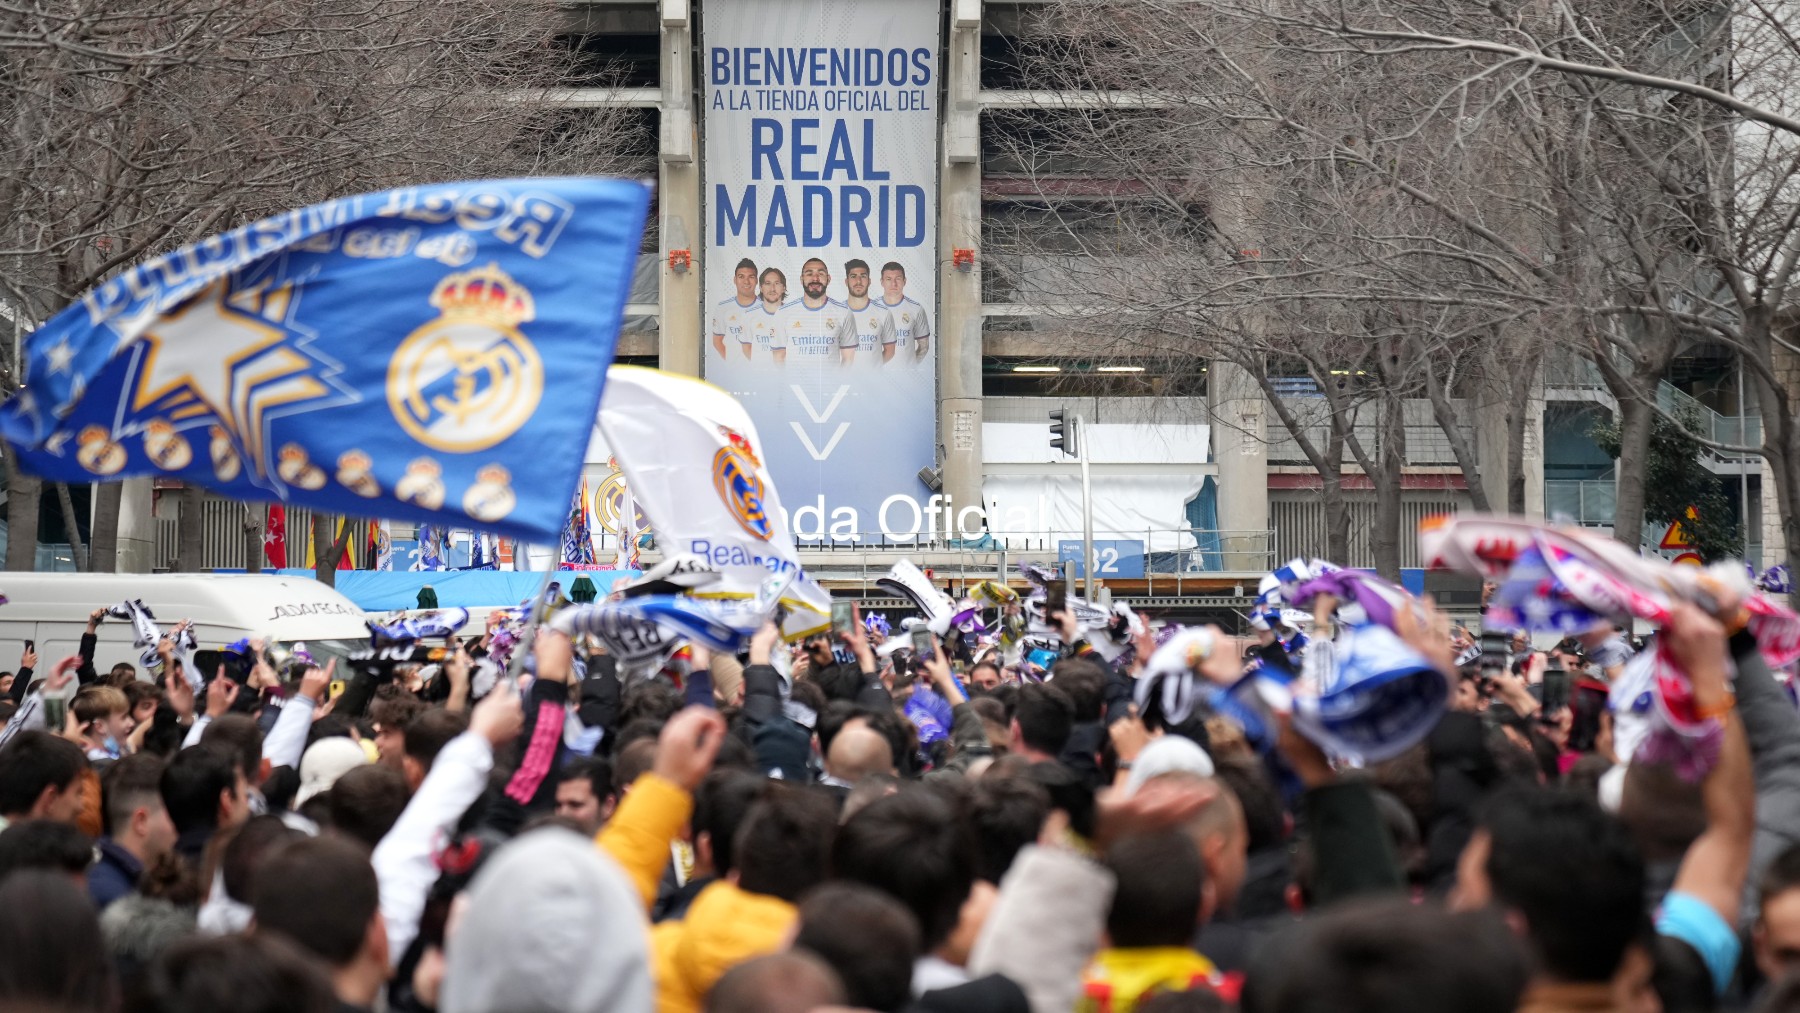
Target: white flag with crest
(694, 463)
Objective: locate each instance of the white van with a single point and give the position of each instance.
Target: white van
(52, 610)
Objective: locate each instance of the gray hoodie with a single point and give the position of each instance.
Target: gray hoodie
(552, 926)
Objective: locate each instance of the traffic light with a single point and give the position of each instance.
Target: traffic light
(1063, 433)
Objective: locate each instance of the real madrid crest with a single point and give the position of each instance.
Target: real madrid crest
(740, 487)
(468, 379)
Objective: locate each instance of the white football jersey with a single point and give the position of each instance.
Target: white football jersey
(764, 328)
(732, 319)
(874, 325)
(807, 331)
(909, 317)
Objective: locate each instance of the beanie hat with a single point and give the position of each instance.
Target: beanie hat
(552, 927)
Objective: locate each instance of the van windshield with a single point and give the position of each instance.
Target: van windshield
(323, 651)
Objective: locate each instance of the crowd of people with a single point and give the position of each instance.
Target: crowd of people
(841, 824)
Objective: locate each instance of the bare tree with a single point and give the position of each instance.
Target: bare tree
(1478, 212)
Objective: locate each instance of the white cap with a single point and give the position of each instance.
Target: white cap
(1167, 755)
(325, 761)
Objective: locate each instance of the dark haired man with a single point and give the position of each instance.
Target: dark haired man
(730, 316)
(584, 793)
(341, 925)
(40, 777)
(1041, 724)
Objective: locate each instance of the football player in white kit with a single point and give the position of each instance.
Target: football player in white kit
(814, 324)
(910, 322)
(730, 316)
(873, 323)
(765, 320)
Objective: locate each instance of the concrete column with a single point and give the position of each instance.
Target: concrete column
(137, 526)
(959, 292)
(678, 198)
(1241, 451)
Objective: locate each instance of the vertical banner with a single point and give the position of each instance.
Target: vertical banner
(821, 247)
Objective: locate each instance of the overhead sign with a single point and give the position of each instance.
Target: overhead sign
(821, 244)
(1112, 557)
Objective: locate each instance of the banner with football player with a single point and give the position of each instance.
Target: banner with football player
(821, 245)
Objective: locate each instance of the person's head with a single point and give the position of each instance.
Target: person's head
(743, 278)
(1008, 813)
(584, 792)
(1160, 898)
(366, 802)
(247, 849)
(818, 653)
(870, 939)
(554, 925)
(327, 760)
(203, 789)
(1042, 720)
(427, 735)
(774, 287)
(632, 762)
(391, 715)
(857, 752)
(103, 713)
(121, 673)
(782, 848)
(258, 973)
(814, 277)
(792, 982)
(721, 804)
(856, 278)
(55, 956)
(1218, 831)
(1085, 683)
(893, 281)
(144, 698)
(1390, 956)
(1777, 931)
(916, 847)
(1564, 867)
(1663, 811)
(131, 797)
(40, 776)
(240, 735)
(1265, 822)
(341, 925)
(985, 676)
(46, 845)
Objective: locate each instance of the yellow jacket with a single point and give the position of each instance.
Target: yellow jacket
(640, 831)
(1120, 978)
(724, 927)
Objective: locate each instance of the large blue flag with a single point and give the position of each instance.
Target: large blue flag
(434, 353)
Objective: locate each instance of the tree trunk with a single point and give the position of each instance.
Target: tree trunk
(1337, 520)
(22, 494)
(1517, 418)
(1635, 419)
(190, 531)
(1444, 413)
(1390, 466)
(103, 539)
(253, 537)
(327, 550)
(77, 552)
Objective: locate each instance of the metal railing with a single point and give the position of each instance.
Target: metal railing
(1165, 559)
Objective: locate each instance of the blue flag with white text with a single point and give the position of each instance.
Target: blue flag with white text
(433, 353)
